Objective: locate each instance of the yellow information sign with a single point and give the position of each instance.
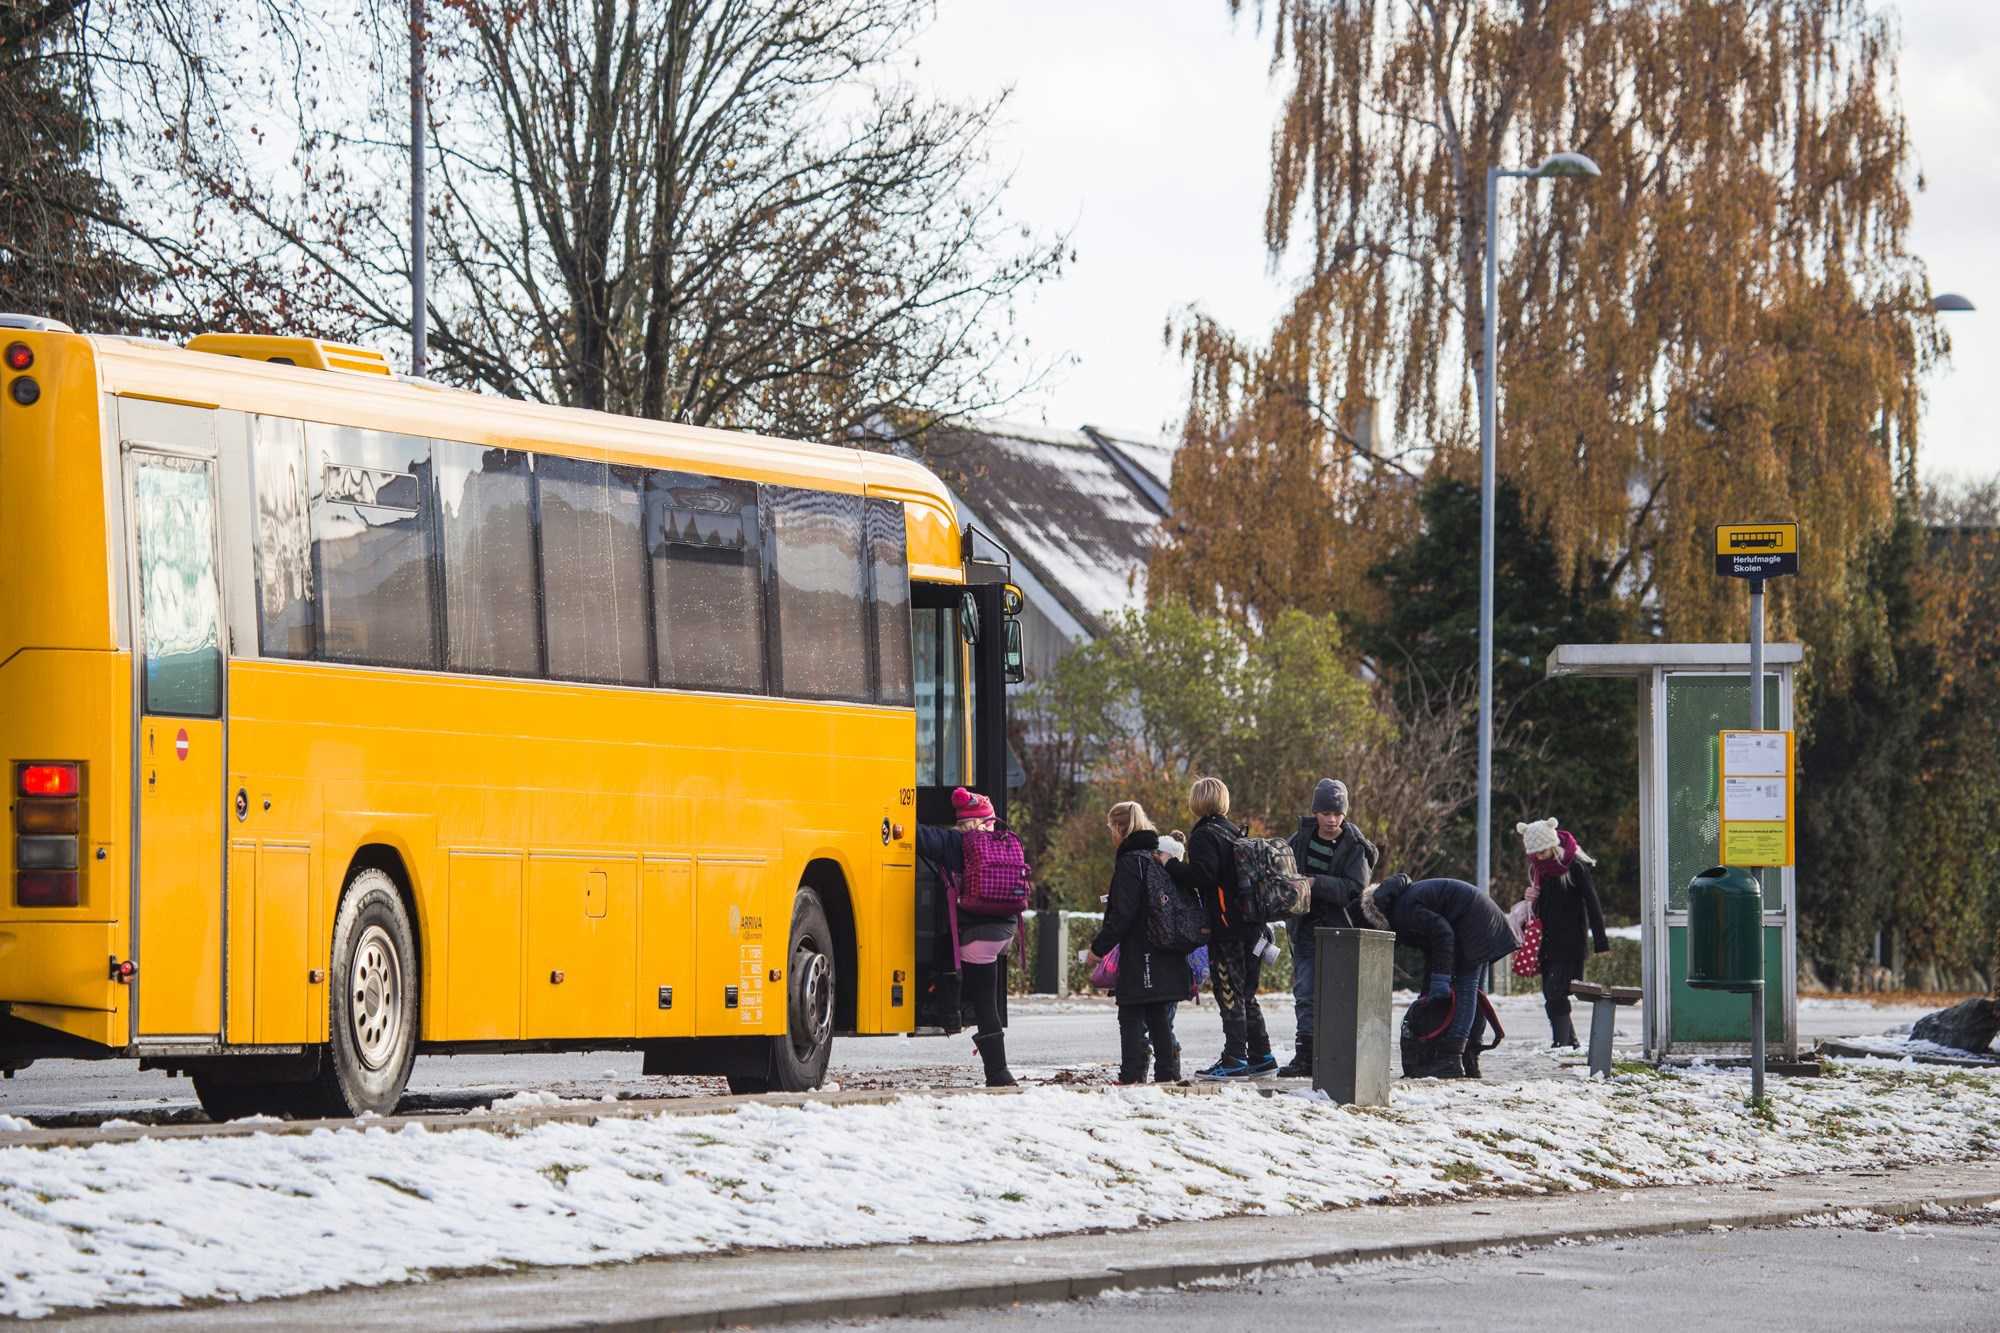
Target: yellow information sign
(1756, 550)
(1757, 798)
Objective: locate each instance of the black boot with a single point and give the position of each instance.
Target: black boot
(1471, 1059)
(1447, 1060)
(1301, 1065)
(1167, 1068)
(993, 1050)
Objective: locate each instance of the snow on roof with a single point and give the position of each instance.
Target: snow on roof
(1153, 455)
(1061, 504)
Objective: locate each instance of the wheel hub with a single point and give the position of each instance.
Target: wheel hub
(811, 997)
(376, 987)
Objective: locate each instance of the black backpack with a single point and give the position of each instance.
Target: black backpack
(1176, 921)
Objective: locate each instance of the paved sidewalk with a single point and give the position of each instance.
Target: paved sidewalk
(770, 1287)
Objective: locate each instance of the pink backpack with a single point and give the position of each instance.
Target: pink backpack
(995, 878)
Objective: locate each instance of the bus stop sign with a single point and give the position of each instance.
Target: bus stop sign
(1756, 550)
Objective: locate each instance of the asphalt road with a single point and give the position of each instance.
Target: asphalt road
(1061, 1040)
(1926, 1275)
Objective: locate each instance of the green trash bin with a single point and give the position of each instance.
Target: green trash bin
(1725, 939)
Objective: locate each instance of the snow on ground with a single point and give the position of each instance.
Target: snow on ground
(1903, 1046)
(161, 1222)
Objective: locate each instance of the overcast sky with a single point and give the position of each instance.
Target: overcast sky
(1143, 127)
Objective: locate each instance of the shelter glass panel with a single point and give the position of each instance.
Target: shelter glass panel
(1698, 709)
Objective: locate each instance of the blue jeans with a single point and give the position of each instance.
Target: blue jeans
(1465, 1004)
(1303, 945)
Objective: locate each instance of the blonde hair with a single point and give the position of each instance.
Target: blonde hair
(1208, 796)
(1127, 818)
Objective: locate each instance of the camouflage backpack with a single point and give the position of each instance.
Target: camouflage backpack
(1268, 884)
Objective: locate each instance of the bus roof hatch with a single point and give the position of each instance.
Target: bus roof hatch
(312, 353)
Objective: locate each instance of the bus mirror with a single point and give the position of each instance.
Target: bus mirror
(1011, 601)
(1017, 660)
(968, 618)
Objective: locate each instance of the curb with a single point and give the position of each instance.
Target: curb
(578, 1112)
(930, 1300)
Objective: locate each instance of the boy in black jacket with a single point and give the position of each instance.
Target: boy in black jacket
(1337, 857)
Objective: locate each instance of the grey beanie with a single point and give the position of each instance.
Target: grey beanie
(1330, 797)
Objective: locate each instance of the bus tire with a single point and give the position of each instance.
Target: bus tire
(372, 1002)
(798, 1059)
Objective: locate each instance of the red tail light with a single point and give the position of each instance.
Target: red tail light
(51, 779)
(46, 888)
(20, 356)
(48, 828)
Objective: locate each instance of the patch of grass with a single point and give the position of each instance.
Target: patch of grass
(1462, 1173)
(1761, 1109)
(397, 1186)
(1014, 1196)
(560, 1172)
(1638, 1069)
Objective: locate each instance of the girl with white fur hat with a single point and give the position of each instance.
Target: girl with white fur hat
(1565, 900)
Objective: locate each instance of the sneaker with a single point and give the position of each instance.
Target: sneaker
(1225, 1069)
(1261, 1065)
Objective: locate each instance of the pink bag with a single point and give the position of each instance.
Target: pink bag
(995, 882)
(1105, 975)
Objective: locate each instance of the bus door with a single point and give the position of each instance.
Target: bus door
(179, 761)
(959, 668)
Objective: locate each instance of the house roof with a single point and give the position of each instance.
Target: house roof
(1080, 508)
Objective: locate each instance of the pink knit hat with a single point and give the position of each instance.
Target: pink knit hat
(971, 805)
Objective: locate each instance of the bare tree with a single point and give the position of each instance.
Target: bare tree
(722, 212)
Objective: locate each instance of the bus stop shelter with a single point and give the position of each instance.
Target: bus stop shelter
(1688, 694)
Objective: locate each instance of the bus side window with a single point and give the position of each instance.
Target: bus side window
(492, 617)
(822, 594)
(889, 591)
(593, 571)
(703, 538)
(283, 539)
(371, 545)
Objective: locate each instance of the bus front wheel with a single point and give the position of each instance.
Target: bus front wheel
(372, 1003)
(798, 1060)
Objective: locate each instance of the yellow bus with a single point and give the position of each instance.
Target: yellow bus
(347, 717)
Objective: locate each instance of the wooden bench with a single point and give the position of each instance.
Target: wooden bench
(1604, 1002)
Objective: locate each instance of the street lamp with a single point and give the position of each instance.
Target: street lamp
(1945, 303)
(1553, 166)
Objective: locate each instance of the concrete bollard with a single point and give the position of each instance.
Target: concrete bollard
(1052, 953)
(1353, 977)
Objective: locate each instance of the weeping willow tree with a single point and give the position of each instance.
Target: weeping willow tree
(1725, 327)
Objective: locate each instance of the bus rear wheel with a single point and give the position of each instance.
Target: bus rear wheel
(798, 1060)
(372, 1002)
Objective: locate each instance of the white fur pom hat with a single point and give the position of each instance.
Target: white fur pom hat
(1172, 847)
(1539, 836)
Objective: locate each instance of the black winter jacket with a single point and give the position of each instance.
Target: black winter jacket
(1145, 974)
(1567, 905)
(1354, 860)
(1210, 869)
(1459, 928)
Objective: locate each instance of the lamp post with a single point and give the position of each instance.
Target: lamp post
(1555, 165)
(418, 334)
